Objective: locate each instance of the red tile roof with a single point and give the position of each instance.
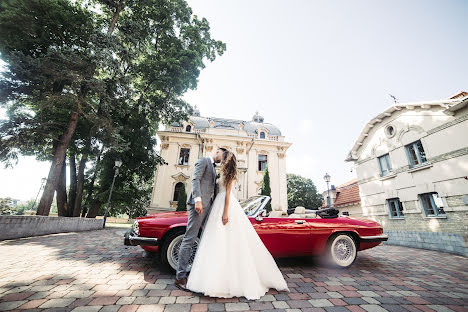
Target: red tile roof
(347, 193)
(459, 95)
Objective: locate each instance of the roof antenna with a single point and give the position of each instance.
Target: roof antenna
(394, 98)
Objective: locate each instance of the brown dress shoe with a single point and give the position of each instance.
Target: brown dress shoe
(181, 283)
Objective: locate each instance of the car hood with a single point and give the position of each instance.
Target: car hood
(169, 214)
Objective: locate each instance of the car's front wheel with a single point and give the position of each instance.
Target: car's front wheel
(342, 250)
(171, 247)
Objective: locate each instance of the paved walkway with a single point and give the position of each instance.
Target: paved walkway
(93, 271)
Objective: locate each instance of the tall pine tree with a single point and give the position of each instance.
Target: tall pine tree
(266, 189)
(182, 199)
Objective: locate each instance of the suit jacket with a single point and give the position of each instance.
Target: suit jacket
(203, 182)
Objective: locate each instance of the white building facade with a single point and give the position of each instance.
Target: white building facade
(255, 143)
(411, 163)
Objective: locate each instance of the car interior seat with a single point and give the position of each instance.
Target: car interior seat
(299, 212)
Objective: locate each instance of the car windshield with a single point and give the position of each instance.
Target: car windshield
(252, 204)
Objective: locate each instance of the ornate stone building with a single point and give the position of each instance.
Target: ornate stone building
(412, 169)
(255, 143)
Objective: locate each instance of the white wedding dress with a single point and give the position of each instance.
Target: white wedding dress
(231, 259)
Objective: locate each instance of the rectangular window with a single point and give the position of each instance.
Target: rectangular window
(385, 166)
(395, 208)
(432, 204)
(262, 162)
(416, 154)
(184, 156)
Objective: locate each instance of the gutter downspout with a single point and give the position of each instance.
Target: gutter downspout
(248, 161)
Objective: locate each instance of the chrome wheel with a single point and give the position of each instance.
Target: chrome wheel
(173, 251)
(343, 250)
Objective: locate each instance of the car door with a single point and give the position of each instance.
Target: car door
(284, 237)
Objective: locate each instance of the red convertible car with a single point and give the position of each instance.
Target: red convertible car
(323, 233)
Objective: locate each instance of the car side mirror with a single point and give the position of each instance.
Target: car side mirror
(264, 213)
(259, 218)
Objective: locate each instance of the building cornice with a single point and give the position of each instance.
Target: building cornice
(226, 137)
(449, 107)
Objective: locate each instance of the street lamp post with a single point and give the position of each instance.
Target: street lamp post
(327, 177)
(43, 181)
(118, 163)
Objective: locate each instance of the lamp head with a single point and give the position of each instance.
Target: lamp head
(118, 163)
(326, 177)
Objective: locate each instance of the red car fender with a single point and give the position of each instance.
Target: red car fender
(351, 231)
(173, 226)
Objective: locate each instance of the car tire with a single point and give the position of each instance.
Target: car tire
(342, 250)
(170, 249)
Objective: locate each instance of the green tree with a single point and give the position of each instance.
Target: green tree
(5, 206)
(302, 192)
(20, 208)
(84, 80)
(266, 189)
(182, 199)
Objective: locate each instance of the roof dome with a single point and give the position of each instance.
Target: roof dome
(196, 111)
(257, 117)
(252, 127)
(200, 122)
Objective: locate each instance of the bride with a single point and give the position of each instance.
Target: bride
(231, 260)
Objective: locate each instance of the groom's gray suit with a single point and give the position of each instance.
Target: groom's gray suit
(203, 186)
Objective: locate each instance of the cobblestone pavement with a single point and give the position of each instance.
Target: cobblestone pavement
(93, 271)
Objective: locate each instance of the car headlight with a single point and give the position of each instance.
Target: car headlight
(136, 228)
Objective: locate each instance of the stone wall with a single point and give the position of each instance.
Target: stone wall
(25, 226)
(448, 234)
(445, 242)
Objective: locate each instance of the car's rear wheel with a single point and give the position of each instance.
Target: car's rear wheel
(171, 247)
(342, 250)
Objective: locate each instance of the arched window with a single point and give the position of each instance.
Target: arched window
(188, 128)
(262, 135)
(177, 189)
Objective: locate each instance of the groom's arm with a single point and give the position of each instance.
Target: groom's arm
(200, 167)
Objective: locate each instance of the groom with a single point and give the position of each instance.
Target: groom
(199, 205)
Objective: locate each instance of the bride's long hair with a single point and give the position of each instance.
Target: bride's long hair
(229, 167)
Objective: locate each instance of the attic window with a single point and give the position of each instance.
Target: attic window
(188, 128)
(262, 135)
(390, 131)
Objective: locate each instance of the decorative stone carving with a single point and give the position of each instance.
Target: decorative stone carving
(281, 155)
(164, 146)
(209, 148)
(185, 145)
(240, 150)
(180, 177)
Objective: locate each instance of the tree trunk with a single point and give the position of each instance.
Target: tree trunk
(91, 186)
(80, 183)
(62, 206)
(56, 167)
(118, 8)
(72, 191)
(93, 211)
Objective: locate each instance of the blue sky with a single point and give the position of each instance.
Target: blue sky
(319, 70)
